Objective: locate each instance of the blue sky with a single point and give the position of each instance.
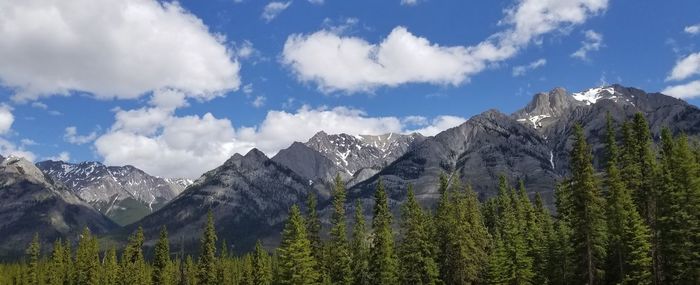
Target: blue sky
(175, 88)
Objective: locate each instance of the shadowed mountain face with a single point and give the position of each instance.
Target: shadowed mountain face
(123, 193)
(250, 195)
(30, 202)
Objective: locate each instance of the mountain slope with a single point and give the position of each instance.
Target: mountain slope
(123, 193)
(248, 195)
(30, 202)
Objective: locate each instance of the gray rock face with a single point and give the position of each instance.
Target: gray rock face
(249, 196)
(30, 202)
(123, 193)
(353, 153)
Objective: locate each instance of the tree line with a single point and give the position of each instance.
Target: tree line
(635, 222)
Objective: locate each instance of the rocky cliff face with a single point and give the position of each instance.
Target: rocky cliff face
(123, 193)
(31, 203)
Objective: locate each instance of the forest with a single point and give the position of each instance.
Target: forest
(635, 222)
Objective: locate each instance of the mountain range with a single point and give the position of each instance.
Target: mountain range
(250, 194)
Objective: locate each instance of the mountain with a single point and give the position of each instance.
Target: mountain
(354, 158)
(30, 202)
(249, 196)
(124, 193)
(531, 144)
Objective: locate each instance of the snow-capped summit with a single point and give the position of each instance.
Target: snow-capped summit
(591, 96)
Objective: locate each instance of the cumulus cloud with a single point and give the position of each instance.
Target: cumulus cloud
(259, 101)
(6, 119)
(693, 30)
(684, 91)
(62, 156)
(71, 135)
(274, 9)
(686, 67)
(110, 49)
(162, 143)
(402, 57)
(593, 42)
(521, 70)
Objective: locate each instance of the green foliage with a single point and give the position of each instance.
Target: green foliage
(262, 266)
(162, 268)
(415, 252)
(297, 263)
(207, 254)
(360, 248)
(339, 255)
(134, 269)
(383, 265)
(87, 260)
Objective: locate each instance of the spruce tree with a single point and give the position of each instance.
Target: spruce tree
(313, 226)
(544, 260)
(382, 264)
(297, 263)
(416, 260)
(56, 265)
(207, 254)
(161, 260)
(262, 267)
(110, 268)
(360, 248)
(34, 254)
(629, 261)
(587, 214)
(340, 257)
(443, 224)
(134, 269)
(87, 259)
(191, 271)
(467, 237)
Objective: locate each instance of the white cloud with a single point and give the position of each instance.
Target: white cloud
(593, 42)
(409, 2)
(161, 143)
(273, 9)
(400, 58)
(686, 67)
(40, 105)
(693, 30)
(6, 119)
(523, 69)
(110, 49)
(7, 148)
(70, 135)
(63, 156)
(259, 101)
(684, 91)
(317, 2)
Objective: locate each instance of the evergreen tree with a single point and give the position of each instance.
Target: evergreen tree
(587, 214)
(340, 257)
(382, 264)
(544, 260)
(161, 260)
(247, 270)
(417, 263)
(262, 267)
(207, 254)
(297, 264)
(110, 268)
(443, 223)
(134, 269)
(360, 248)
(87, 259)
(34, 253)
(313, 226)
(629, 248)
(190, 272)
(57, 267)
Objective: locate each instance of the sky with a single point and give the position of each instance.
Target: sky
(176, 88)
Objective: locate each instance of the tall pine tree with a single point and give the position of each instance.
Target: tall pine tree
(340, 257)
(161, 260)
(297, 263)
(382, 264)
(360, 248)
(207, 254)
(415, 252)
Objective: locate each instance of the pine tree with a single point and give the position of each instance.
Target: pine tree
(262, 267)
(87, 259)
(134, 269)
(313, 226)
(297, 263)
(207, 254)
(587, 214)
(161, 260)
(544, 260)
(417, 263)
(57, 273)
(629, 248)
(443, 224)
(383, 264)
(110, 268)
(191, 272)
(360, 248)
(340, 258)
(34, 253)
(247, 270)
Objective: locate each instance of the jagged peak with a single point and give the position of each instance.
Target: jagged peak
(255, 154)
